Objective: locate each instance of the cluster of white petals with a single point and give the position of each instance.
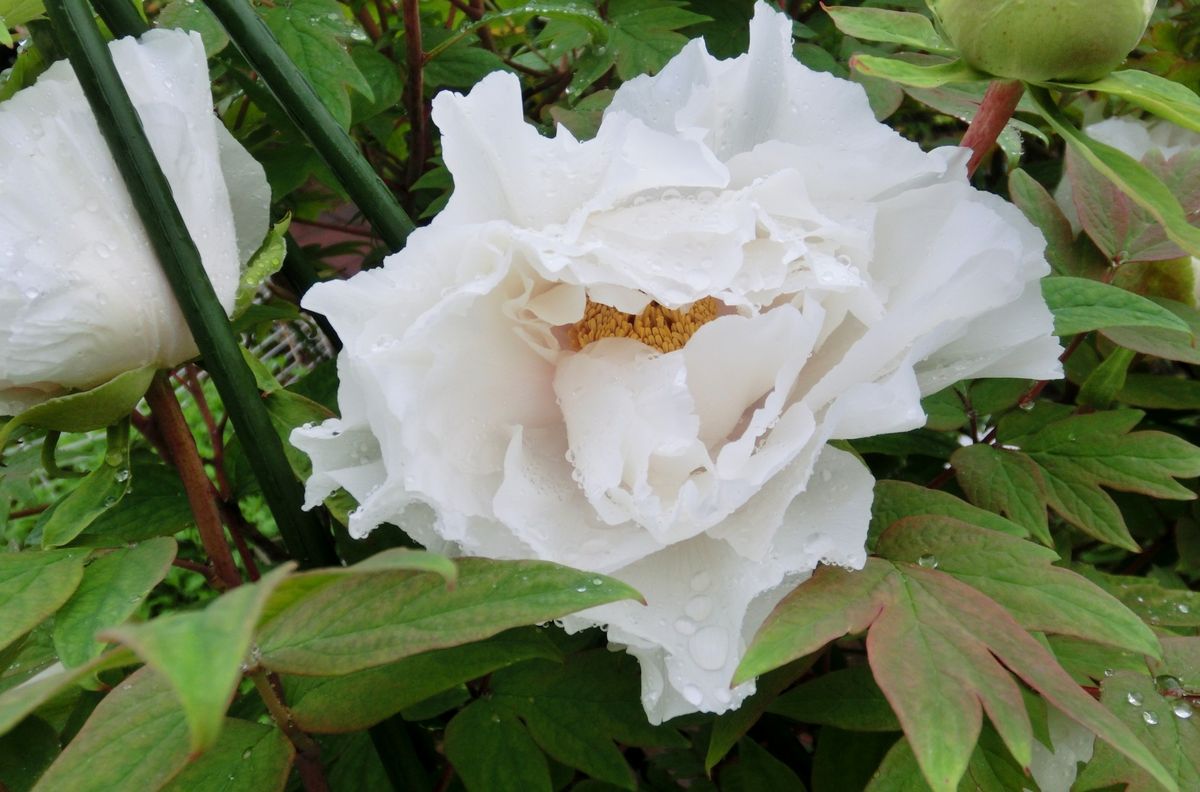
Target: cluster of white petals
(82, 296)
(806, 275)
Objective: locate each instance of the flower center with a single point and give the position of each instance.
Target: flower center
(665, 329)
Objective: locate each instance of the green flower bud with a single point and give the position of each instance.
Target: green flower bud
(1040, 40)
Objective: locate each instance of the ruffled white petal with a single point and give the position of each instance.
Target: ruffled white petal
(853, 272)
(82, 297)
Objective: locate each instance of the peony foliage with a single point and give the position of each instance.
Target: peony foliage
(683, 394)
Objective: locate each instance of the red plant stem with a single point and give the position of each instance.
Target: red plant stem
(308, 752)
(181, 448)
(999, 104)
(417, 117)
(30, 512)
(485, 35)
(363, 15)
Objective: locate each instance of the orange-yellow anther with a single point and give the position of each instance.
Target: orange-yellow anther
(665, 329)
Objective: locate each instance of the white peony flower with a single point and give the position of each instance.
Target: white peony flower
(627, 355)
(82, 297)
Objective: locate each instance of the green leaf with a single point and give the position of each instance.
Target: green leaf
(359, 700)
(18, 12)
(1173, 739)
(491, 750)
(26, 752)
(459, 64)
(1043, 211)
(396, 560)
(1142, 186)
(309, 32)
(201, 652)
(34, 585)
(906, 73)
(135, 739)
(1081, 453)
(1181, 659)
(265, 262)
(22, 700)
(576, 710)
(757, 770)
(1005, 482)
(1160, 606)
(1169, 344)
(1020, 576)
(191, 15)
(894, 27)
(897, 499)
(97, 408)
(248, 757)
(991, 769)
(384, 77)
(643, 33)
(847, 699)
(99, 491)
(731, 726)
(154, 505)
(1080, 305)
(923, 623)
(1106, 380)
(1162, 97)
(362, 621)
(113, 587)
(847, 760)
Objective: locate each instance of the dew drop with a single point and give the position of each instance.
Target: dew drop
(1168, 684)
(597, 582)
(693, 695)
(701, 581)
(122, 475)
(1134, 699)
(1026, 406)
(685, 627)
(581, 589)
(928, 561)
(1150, 718)
(1109, 672)
(246, 753)
(1182, 608)
(698, 608)
(1183, 710)
(709, 648)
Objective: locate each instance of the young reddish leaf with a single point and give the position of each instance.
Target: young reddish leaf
(135, 739)
(201, 652)
(1020, 576)
(34, 585)
(897, 499)
(1005, 482)
(1043, 211)
(935, 646)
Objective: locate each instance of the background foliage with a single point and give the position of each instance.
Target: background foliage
(1035, 546)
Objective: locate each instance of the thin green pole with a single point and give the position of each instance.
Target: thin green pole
(121, 17)
(296, 95)
(307, 540)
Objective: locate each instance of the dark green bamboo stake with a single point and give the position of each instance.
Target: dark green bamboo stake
(307, 540)
(298, 99)
(121, 17)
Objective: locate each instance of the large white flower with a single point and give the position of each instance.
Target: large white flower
(82, 297)
(627, 354)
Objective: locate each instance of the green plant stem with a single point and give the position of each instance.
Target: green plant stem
(308, 541)
(308, 753)
(296, 95)
(121, 17)
(181, 446)
(418, 119)
(998, 106)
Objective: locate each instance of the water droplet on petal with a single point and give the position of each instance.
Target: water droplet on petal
(685, 627)
(709, 648)
(701, 581)
(1183, 710)
(1135, 699)
(1150, 718)
(693, 695)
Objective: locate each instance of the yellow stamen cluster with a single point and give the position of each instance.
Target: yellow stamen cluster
(665, 329)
